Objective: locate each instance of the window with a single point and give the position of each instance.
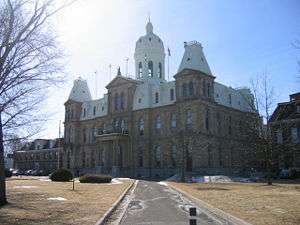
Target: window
(208, 90)
(84, 112)
(150, 69)
(204, 88)
(191, 88)
(84, 135)
(218, 122)
(229, 99)
(140, 100)
(173, 155)
(229, 126)
(171, 94)
(123, 125)
(159, 70)
(298, 108)
(189, 118)
(279, 138)
(141, 161)
(157, 123)
(122, 100)
(140, 69)
(207, 120)
(141, 126)
(157, 156)
(173, 120)
(94, 110)
(184, 90)
(116, 101)
(295, 135)
(156, 97)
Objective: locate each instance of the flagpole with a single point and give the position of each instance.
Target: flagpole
(168, 64)
(95, 84)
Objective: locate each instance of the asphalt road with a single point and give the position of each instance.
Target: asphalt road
(154, 203)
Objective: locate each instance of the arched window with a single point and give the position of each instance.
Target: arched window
(191, 88)
(116, 101)
(141, 126)
(207, 120)
(173, 120)
(84, 112)
(171, 94)
(184, 90)
(140, 69)
(159, 70)
(157, 156)
(94, 110)
(150, 69)
(189, 118)
(156, 97)
(122, 100)
(157, 123)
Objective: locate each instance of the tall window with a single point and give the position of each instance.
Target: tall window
(84, 135)
(191, 88)
(230, 126)
(159, 70)
(229, 99)
(184, 90)
(150, 69)
(122, 99)
(279, 137)
(173, 155)
(141, 161)
(158, 123)
(218, 122)
(156, 97)
(140, 69)
(173, 120)
(171, 94)
(207, 120)
(141, 126)
(295, 134)
(123, 127)
(84, 112)
(208, 90)
(189, 118)
(157, 156)
(94, 110)
(204, 88)
(116, 101)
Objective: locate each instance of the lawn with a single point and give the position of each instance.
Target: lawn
(29, 203)
(255, 203)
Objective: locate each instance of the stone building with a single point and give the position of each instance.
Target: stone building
(40, 154)
(149, 126)
(285, 127)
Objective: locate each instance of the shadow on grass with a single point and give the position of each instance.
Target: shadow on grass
(212, 189)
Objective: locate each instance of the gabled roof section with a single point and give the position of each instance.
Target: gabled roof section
(120, 80)
(194, 58)
(191, 71)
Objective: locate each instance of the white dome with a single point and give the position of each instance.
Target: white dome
(149, 41)
(80, 91)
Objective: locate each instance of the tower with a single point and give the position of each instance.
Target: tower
(149, 56)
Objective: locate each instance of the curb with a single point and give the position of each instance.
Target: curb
(211, 209)
(108, 213)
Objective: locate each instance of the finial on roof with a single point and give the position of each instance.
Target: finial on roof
(119, 72)
(149, 17)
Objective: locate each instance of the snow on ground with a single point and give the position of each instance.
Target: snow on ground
(163, 183)
(25, 187)
(116, 181)
(208, 179)
(123, 178)
(43, 179)
(57, 199)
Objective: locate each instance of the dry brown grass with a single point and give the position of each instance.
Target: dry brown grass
(85, 205)
(254, 202)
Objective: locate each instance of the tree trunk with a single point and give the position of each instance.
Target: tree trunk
(3, 200)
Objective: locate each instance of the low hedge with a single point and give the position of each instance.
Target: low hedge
(8, 173)
(61, 175)
(95, 178)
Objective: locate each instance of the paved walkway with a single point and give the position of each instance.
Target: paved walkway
(156, 204)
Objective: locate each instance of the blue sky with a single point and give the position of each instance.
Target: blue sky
(241, 40)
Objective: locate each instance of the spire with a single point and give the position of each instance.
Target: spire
(119, 72)
(149, 27)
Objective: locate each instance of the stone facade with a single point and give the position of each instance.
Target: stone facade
(149, 127)
(41, 154)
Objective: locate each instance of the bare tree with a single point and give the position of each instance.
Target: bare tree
(30, 62)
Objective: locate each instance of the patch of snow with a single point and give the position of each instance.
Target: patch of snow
(57, 199)
(116, 181)
(124, 178)
(25, 187)
(44, 179)
(163, 183)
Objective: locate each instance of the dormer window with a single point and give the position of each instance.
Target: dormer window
(172, 94)
(150, 39)
(159, 70)
(140, 69)
(229, 99)
(156, 97)
(139, 100)
(94, 110)
(188, 59)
